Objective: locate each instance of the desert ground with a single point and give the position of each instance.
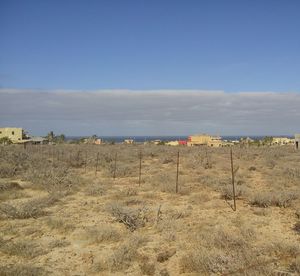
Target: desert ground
(81, 210)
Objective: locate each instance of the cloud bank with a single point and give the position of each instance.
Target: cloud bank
(157, 112)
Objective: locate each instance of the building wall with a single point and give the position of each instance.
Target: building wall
(13, 133)
(204, 139)
(282, 141)
(172, 143)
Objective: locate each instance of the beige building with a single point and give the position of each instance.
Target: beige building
(128, 141)
(282, 141)
(172, 143)
(15, 134)
(204, 139)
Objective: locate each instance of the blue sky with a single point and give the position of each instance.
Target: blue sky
(136, 67)
(224, 45)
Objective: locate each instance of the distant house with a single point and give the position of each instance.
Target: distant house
(37, 140)
(92, 140)
(182, 142)
(282, 141)
(172, 143)
(204, 139)
(98, 141)
(15, 134)
(246, 140)
(128, 141)
(176, 143)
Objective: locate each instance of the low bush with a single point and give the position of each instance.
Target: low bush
(59, 224)
(274, 198)
(33, 208)
(22, 270)
(123, 256)
(102, 234)
(132, 218)
(27, 249)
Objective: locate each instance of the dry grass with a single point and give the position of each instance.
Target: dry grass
(132, 218)
(21, 270)
(25, 248)
(33, 208)
(59, 224)
(105, 233)
(57, 212)
(274, 198)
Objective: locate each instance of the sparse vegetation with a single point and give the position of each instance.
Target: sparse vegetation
(52, 202)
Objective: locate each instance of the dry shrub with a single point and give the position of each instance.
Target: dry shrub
(59, 224)
(102, 234)
(59, 243)
(77, 160)
(33, 208)
(295, 266)
(227, 192)
(132, 218)
(169, 228)
(292, 174)
(174, 214)
(53, 179)
(22, 270)
(7, 170)
(127, 252)
(26, 248)
(167, 160)
(122, 256)
(164, 181)
(297, 227)
(14, 194)
(147, 268)
(130, 192)
(220, 252)
(165, 255)
(199, 198)
(13, 162)
(122, 170)
(96, 189)
(9, 186)
(273, 198)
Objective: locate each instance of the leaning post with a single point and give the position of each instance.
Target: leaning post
(140, 168)
(115, 165)
(96, 167)
(177, 172)
(232, 180)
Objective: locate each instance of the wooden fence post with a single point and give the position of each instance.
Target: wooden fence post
(85, 163)
(97, 159)
(232, 180)
(115, 165)
(177, 172)
(140, 169)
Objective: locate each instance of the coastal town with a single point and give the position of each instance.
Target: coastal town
(15, 135)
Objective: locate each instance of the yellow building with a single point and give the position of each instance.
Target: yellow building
(204, 139)
(15, 134)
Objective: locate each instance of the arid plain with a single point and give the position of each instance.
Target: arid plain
(65, 211)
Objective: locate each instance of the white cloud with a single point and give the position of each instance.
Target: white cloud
(157, 112)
